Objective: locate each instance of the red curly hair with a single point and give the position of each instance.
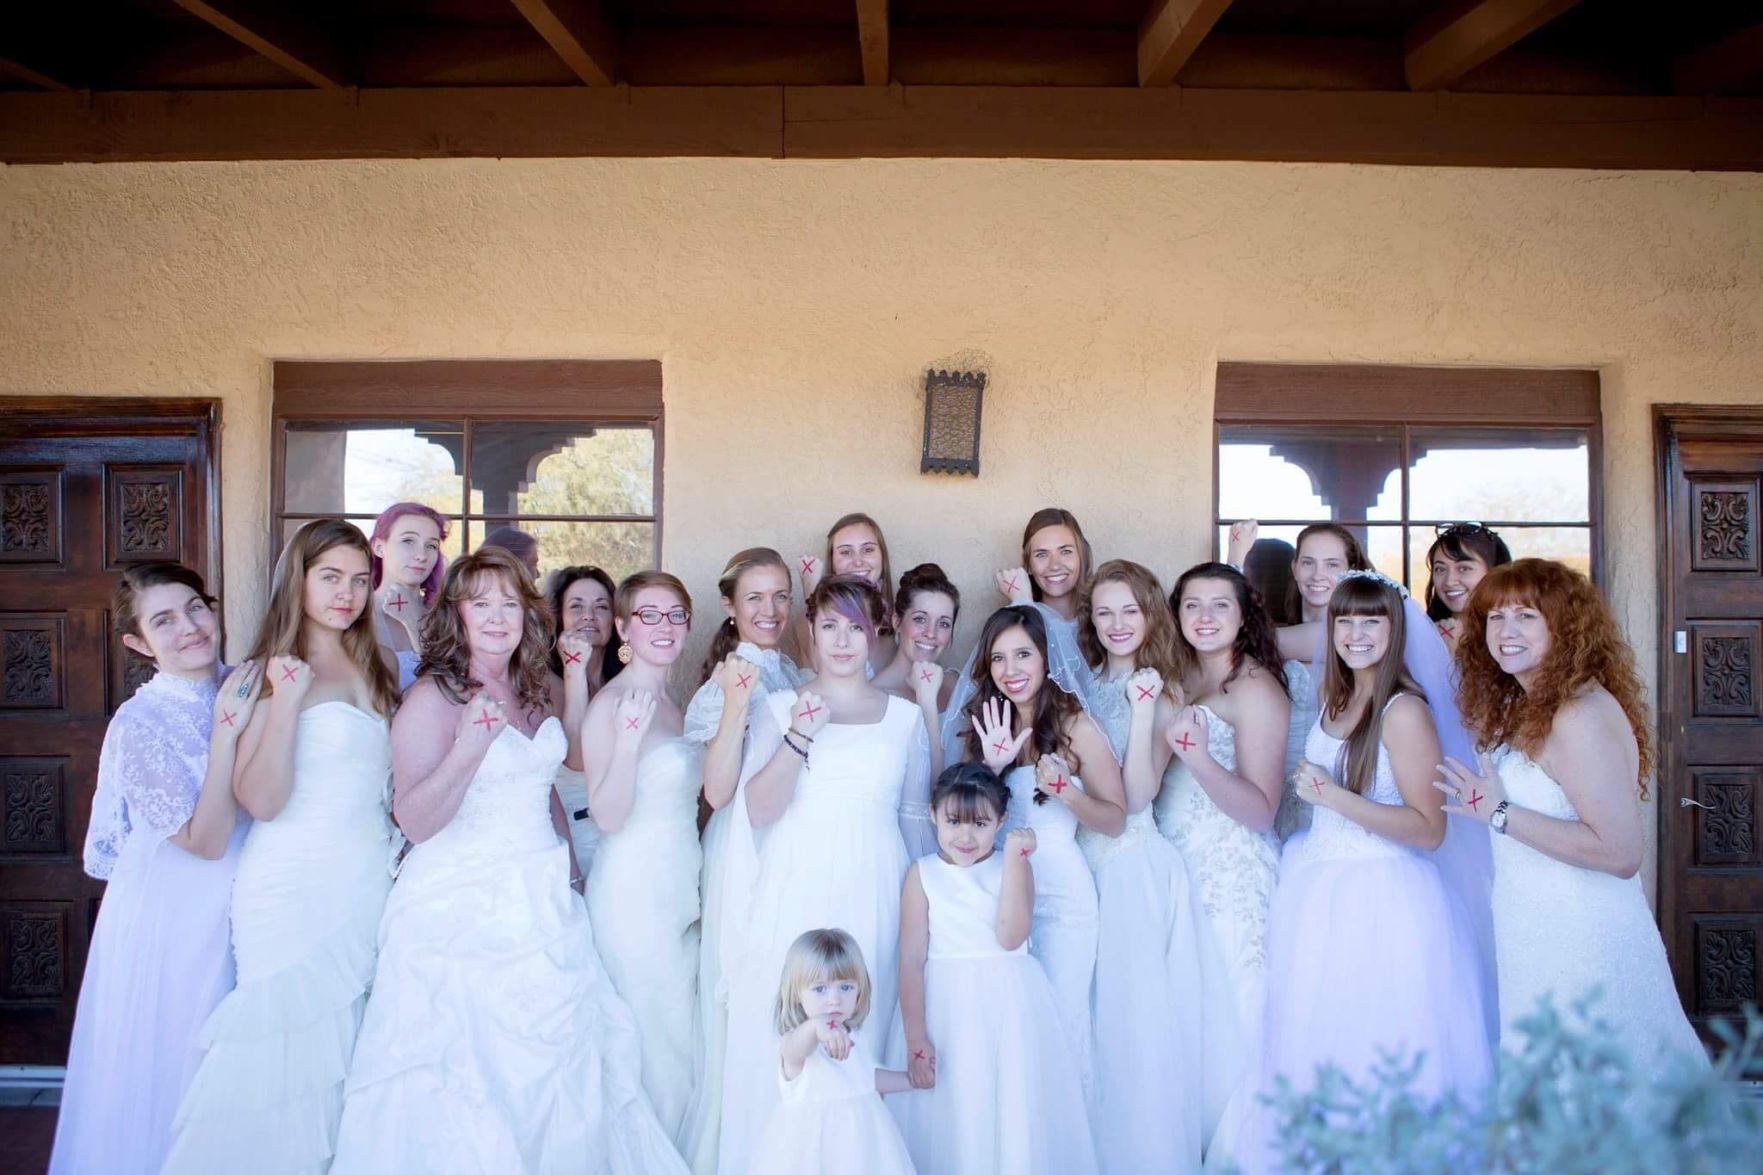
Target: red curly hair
(1586, 648)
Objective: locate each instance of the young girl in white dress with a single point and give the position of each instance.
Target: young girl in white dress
(643, 787)
(1550, 685)
(494, 1040)
(1062, 775)
(165, 836)
(925, 610)
(855, 546)
(731, 719)
(312, 771)
(584, 658)
(1153, 964)
(1377, 957)
(825, 813)
(407, 563)
(1218, 800)
(829, 1117)
(993, 1071)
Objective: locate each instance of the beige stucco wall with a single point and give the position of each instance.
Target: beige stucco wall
(795, 307)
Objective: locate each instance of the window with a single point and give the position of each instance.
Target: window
(569, 452)
(1392, 453)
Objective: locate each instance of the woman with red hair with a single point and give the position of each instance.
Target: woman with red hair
(1550, 688)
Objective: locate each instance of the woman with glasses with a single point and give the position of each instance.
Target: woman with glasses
(1458, 559)
(643, 775)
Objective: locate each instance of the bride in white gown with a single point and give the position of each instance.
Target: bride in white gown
(643, 887)
(1561, 793)
(825, 814)
(312, 771)
(494, 1041)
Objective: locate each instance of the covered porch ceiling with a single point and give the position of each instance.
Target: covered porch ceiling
(1526, 83)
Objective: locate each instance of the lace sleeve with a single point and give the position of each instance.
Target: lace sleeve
(704, 713)
(144, 786)
(916, 826)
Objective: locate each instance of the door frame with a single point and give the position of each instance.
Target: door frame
(1673, 423)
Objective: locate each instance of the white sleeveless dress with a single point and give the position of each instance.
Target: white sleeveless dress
(160, 959)
(1004, 1100)
(643, 899)
(833, 859)
(1371, 955)
(830, 1118)
(1560, 930)
(494, 1041)
(1064, 933)
(1233, 868)
(307, 899)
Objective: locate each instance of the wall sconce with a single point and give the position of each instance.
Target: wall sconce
(951, 421)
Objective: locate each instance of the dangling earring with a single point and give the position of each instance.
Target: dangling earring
(625, 654)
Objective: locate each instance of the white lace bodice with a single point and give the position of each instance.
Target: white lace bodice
(151, 768)
(507, 808)
(1332, 835)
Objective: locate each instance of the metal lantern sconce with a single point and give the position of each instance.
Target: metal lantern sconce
(952, 402)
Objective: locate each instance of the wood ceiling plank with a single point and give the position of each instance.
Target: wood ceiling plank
(872, 40)
(580, 33)
(301, 48)
(1169, 34)
(1730, 65)
(1457, 38)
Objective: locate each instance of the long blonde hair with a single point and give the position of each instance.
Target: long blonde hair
(283, 631)
(815, 957)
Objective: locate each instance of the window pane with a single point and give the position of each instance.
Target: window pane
(1316, 474)
(619, 547)
(363, 468)
(548, 468)
(1494, 475)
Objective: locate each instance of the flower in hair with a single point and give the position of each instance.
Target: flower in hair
(1377, 577)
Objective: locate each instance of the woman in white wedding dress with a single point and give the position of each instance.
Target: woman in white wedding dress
(494, 1041)
(584, 658)
(312, 771)
(730, 718)
(165, 837)
(824, 812)
(1219, 798)
(1550, 685)
(643, 787)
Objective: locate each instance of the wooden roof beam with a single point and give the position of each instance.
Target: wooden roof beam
(1459, 37)
(1726, 67)
(298, 47)
(18, 69)
(579, 32)
(1170, 33)
(873, 40)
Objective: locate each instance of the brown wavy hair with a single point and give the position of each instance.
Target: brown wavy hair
(1356, 765)
(283, 631)
(1356, 561)
(447, 658)
(1256, 643)
(1057, 516)
(727, 584)
(1585, 648)
(1054, 708)
(886, 583)
(1159, 650)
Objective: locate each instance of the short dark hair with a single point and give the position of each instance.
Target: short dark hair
(972, 788)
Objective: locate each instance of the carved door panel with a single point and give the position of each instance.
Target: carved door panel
(85, 488)
(1711, 726)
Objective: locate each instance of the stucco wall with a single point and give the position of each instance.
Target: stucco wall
(795, 307)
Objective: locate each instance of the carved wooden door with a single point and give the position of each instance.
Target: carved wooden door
(1711, 728)
(85, 488)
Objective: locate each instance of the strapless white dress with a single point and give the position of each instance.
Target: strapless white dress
(643, 899)
(307, 899)
(494, 1041)
(1560, 931)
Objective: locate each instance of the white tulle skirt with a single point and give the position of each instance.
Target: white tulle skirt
(1368, 956)
(1007, 1097)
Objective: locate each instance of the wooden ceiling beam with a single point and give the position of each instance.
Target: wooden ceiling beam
(872, 40)
(579, 32)
(299, 47)
(25, 73)
(1725, 67)
(1458, 37)
(1169, 34)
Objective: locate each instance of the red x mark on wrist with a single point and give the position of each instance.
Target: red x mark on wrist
(226, 718)
(1184, 742)
(572, 658)
(484, 720)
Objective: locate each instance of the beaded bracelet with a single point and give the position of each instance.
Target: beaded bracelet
(796, 749)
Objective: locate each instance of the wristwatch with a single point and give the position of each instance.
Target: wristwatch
(1497, 819)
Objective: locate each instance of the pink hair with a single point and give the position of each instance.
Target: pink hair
(382, 529)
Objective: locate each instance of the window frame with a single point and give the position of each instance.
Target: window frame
(585, 392)
(1409, 399)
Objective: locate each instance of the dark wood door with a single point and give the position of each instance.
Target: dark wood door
(1711, 728)
(86, 487)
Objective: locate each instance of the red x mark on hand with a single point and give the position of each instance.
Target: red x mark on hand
(630, 723)
(1184, 742)
(288, 673)
(832, 1023)
(1010, 585)
(810, 710)
(741, 680)
(226, 718)
(918, 1055)
(572, 658)
(1023, 851)
(1475, 799)
(1316, 783)
(924, 675)
(1059, 785)
(1145, 692)
(999, 747)
(396, 603)
(485, 720)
